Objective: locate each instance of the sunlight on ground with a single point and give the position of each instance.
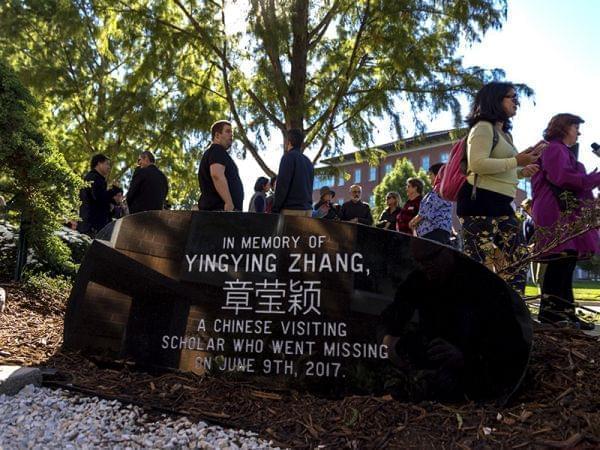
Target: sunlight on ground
(584, 291)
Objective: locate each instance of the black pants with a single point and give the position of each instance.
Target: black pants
(441, 236)
(558, 302)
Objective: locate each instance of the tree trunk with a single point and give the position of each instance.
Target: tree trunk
(296, 107)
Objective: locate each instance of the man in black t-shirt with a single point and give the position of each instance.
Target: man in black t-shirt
(220, 184)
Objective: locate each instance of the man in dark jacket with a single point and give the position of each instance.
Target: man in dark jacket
(149, 186)
(95, 199)
(356, 210)
(293, 195)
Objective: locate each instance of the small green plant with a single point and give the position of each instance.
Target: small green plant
(47, 292)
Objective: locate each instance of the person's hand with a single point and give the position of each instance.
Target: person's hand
(527, 157)
(414, 222)
(387, 225)
(228, 207)
(539, 147)
(355, 220)
(531, 155)
(530, 170)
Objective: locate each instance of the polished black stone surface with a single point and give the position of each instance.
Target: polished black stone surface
(332, 307)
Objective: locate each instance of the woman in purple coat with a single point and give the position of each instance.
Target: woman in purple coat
(561, 175)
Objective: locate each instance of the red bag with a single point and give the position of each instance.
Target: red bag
(453, 174)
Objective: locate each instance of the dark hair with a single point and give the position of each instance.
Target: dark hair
(97, 159)
(416, 183)
(487, 105)
(117, 190)
(148, 155)
(218, 126)
(435, 168)
(559, 125)
(260, 184)
(295, 137)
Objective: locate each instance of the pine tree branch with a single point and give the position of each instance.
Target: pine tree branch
(344, 84)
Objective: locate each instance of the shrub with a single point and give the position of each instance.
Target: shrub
(46, 188)
(76, 242)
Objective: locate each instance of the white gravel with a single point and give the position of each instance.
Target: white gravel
(42, 418)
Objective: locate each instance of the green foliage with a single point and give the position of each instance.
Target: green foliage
(35, 171)
(48, 293)
(112, 82)
(396, 181)
(41, 284)
(334, 67)
(77, 243)
(122, 76)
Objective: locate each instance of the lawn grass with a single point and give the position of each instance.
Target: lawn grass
(583, 290)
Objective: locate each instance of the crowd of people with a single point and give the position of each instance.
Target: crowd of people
(484, 205)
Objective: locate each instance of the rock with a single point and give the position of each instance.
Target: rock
(14, 378)
(42, 418)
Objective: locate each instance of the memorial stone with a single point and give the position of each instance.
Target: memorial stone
(333, 307)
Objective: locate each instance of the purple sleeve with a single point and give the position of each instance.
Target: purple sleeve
(561, 171)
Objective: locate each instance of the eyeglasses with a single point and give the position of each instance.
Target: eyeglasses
(355, 192)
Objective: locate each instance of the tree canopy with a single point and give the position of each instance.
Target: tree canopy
(112, 84)
(333, 67)
(124, 76)
(395, 180)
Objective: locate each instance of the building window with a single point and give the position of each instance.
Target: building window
(373, 174)
(323, 180)
(341, 180)
(445, 157)
(372, 200)
(388, 168)
(425, 162)
(340, 201)
(357, 176)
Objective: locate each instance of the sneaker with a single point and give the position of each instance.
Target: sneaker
(585, 326)
(576, 324)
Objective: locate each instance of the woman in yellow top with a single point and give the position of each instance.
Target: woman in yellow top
(484, 205)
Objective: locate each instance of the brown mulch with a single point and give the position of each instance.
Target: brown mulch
(558, 406)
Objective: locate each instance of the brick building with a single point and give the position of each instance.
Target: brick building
(422, 150)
